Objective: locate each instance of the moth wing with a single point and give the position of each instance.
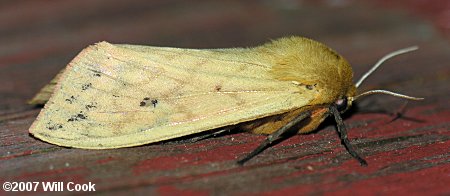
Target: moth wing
(113, 96)
(45, 93)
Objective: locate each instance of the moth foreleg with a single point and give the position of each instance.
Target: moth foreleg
(342, 131)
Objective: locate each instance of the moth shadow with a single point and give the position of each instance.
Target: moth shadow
(193, 138)
(368, 108)
(372, 107)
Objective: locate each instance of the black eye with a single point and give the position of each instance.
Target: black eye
(341, 104)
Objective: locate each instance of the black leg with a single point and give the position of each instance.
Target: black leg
(212, 134)
(342, 131)
(274, 136)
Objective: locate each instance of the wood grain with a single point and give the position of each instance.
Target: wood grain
(409, 155)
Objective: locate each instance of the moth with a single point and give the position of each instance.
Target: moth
(118, 95)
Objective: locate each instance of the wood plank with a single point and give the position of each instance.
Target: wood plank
(409, 155)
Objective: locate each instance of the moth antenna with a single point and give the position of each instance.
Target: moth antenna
(382, 60)
(387, 93)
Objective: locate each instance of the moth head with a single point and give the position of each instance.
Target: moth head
(344, 103)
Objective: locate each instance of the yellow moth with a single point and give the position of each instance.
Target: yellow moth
(117, 95)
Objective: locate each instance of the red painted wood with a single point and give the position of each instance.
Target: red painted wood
(407, 156)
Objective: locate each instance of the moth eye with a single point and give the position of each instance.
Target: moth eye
(341, 104)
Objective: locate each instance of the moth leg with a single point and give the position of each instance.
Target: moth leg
(342, 131)
(212, 134)
(275, 136)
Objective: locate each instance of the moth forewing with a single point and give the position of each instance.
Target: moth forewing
(45, 93)
(113, 96)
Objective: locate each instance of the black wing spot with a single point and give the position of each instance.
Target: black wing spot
(81, 116)
(218, 87)
(86, 86)
(144, 102)
(91, 105)
(96, 73)
(71, 99)
(154, 102)
(54, 126)
(77, 117)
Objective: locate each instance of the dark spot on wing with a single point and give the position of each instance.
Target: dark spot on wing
(71, 99)
(81, 116)
(84, 134)
(154, 102)
(91, 105)
(96, 73)
(77, 117)
(86, 86)
(218, 87)
(53, 127)
(116, 96)
(146, 99)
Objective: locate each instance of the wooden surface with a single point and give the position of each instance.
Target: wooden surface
(409, 155)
